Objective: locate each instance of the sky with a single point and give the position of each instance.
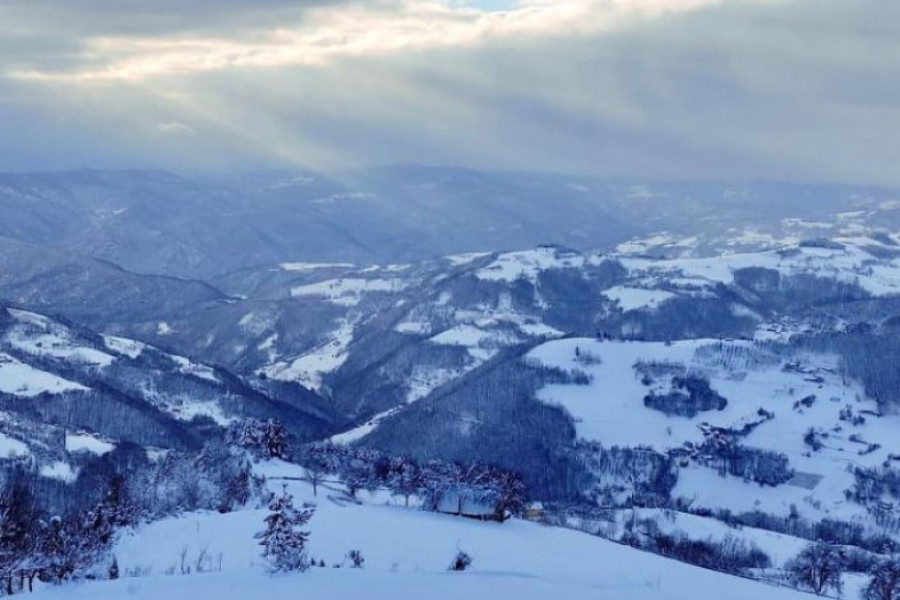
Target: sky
(804, 90)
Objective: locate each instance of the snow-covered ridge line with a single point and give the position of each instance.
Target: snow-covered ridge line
(311, 266)
(348, 291)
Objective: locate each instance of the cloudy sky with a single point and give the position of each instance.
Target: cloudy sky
(733, 89)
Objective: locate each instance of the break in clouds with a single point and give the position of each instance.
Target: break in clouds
(732, 89)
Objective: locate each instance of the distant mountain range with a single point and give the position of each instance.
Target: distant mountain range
(153, 309)
(159, 223)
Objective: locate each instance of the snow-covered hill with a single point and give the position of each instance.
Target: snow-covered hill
(445, 320)
(66, 390)
(660, 369)
(774, 400)
(406, 553)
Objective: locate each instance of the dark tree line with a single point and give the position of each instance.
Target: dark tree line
(688, 396)
(38, 543)
(432, 481)
(722, 450)
(730, 555)
(830, 531)
(622, 476)
(53, 549)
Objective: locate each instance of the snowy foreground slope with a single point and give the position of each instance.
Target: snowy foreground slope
(407, 552)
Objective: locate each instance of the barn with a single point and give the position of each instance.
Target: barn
(468, 503)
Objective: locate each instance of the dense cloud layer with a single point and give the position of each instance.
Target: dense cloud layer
(788, 89)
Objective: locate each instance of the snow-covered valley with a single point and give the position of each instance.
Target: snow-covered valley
(681, 408)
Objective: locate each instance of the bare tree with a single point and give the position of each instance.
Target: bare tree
(884, 582)
(817, 568)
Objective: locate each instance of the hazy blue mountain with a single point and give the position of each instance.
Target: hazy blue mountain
(159, 223)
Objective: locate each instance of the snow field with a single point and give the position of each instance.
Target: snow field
(611, 410)
(407, 552)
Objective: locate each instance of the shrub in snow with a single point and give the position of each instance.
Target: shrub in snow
(283, 540)
(356, 559)
(461, 562)
(812, 438)
(817, 568)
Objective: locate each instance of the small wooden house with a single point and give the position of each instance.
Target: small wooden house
(534, 511)
(466, 503)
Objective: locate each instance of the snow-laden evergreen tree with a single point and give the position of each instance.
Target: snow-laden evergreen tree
(266, 439)
(275, 439)
(229, 473)
(114, 510)
(284, 540)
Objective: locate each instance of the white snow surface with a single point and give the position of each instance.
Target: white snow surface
(10, 447)
(39, 336)
(611, 410)
(850, 264)
(528, 264)
(309, 368)
(60, 470)
(632, 298)
(360, 431)
(458, 260)
(407, 552)
(130, 348)
(23, 380)
(189, 367)
(348, 291)
(779, 547)
(313, 266)
(85, 442)
(482, 344)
